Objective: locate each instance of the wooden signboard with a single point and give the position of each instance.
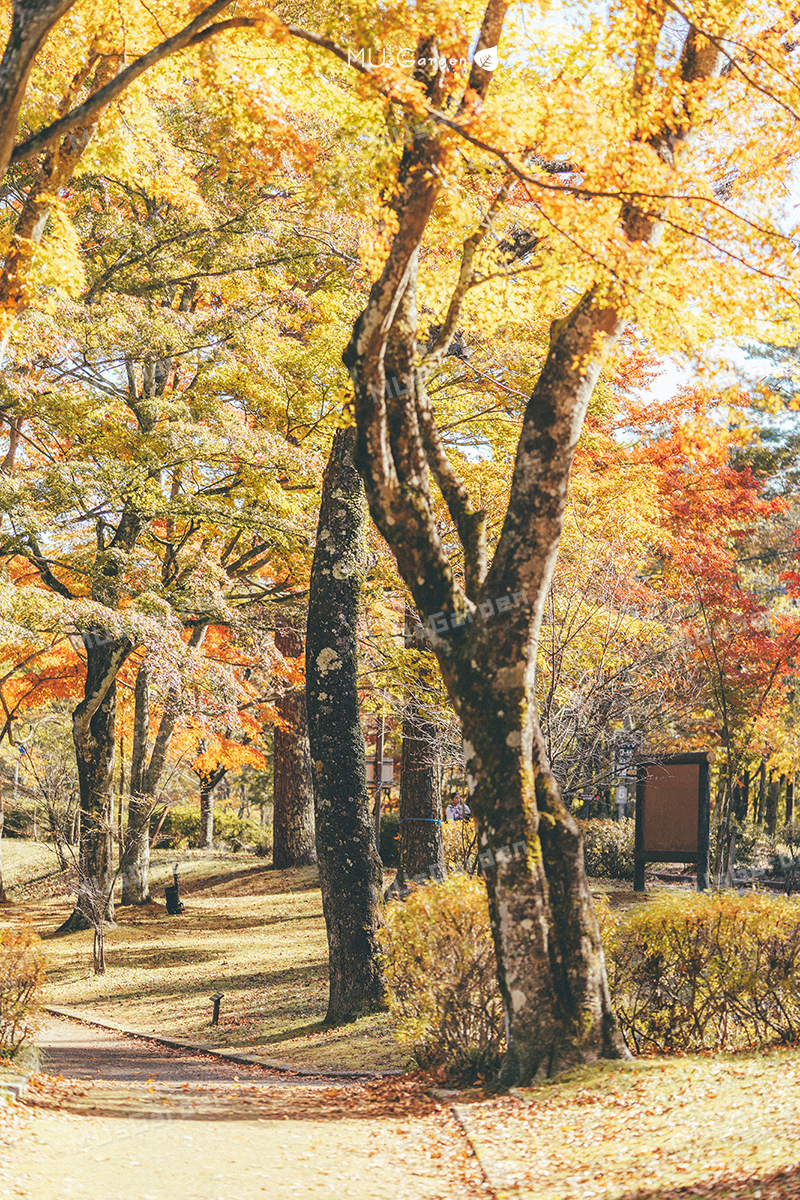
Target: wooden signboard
(673, 812)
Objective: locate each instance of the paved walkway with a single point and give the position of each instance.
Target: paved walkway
(80, 1051)
(131, 1120)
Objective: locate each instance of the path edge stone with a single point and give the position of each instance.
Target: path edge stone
(226, 1055)
(13, 1089)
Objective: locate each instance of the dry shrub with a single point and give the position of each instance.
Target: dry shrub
(21, 979)
(705, 972)
(459, 844)
(608, 848)
(440, 967)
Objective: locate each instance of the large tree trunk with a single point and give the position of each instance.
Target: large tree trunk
(293, 843)
(421, 842)
(93, 724)
(551, 967)
(349, 867)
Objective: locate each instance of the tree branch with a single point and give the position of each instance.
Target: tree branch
(189, 37)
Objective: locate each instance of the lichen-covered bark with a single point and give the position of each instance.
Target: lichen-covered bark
(293, 840)
(550, 960)
(349, 867)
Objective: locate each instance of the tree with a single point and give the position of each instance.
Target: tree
(741, 643)
(145, 777)
(612, 654)
(3, 895)
(293, 843)
(349, 868)
(551, 970)
(32, 23)
(210, 776)
(195, 537)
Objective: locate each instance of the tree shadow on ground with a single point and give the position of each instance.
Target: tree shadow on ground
(285, 1099)
(273, 881)
(314, 972)
(288, 1035)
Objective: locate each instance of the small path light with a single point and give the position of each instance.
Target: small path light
(216, 998)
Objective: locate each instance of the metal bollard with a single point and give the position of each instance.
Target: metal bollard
(216, 998)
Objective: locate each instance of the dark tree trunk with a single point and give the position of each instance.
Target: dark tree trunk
(762, 792)
(421, 843)
(293, 843)
(741, 798)
(135, 861)
(773, 803)
(349, 867)
(790, 800)
(93, 734)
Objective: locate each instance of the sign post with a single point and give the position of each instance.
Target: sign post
(673, 815)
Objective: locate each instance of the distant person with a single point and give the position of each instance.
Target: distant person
(458, 810)
(448, 813)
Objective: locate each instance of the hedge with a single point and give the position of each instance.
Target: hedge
(440, 968)
(705, 972)
(688, 973)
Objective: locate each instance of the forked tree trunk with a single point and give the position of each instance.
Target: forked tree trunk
(293, 842)
(349, 867)
(421, 842)
(145, 779)
(93, 724)
(551, 966)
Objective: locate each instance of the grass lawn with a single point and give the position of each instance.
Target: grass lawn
(255, 934)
